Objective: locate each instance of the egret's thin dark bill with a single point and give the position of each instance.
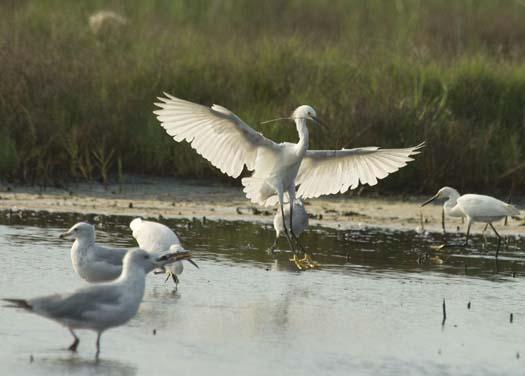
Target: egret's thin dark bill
(429, 200)
(276, 119)
(321, 123)
(193, 263)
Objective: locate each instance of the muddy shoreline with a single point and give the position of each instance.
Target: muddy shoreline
(175, 198)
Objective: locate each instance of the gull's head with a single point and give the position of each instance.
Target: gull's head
(148, 261)
(81, 230)
(445, 192)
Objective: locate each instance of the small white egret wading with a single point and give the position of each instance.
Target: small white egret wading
(476, 208)
(101, 306)
(155, 237)
(96, 263)
(229, 144)
(299, 223)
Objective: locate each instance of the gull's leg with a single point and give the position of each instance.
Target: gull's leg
(75, 343)
(499, 239)
(98, 345)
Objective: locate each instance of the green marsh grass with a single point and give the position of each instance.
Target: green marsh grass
(77, 105)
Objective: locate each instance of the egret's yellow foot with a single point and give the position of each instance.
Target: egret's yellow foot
(298, 262)
(307, 260)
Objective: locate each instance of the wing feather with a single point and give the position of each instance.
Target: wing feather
(216, 133)
(325, 172)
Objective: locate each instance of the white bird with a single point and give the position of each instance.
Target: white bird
(96, 263)
(229, 144)
(100, 306)
(91, 261)
(156, 237)
(476, 208)
(299, 223)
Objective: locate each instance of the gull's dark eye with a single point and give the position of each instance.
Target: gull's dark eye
(146, 257)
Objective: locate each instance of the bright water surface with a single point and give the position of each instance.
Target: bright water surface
(377, 312)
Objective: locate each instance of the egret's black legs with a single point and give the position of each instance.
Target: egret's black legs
(443, 220)
(75, 343)
(286, 230)
(458, 245)
(468, 233)
(499, 239)
(273, 246)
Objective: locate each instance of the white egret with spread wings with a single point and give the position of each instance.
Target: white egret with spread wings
(229, 144)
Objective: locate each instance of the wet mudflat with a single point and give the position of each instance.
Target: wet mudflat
(374, 308)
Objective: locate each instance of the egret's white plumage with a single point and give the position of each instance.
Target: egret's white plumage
(475, 208)
(100, 306)
(229, 144)
(299, 220)
(155, 237)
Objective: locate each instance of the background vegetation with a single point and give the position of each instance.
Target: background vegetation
(77, 104)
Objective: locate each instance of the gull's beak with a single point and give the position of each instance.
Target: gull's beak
(64, 235)
(429, 200)
(321, 123)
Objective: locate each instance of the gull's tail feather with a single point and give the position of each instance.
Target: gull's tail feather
(18, 303)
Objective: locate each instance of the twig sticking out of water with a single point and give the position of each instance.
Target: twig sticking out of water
(468, 305)
(465, 268)
(511, 318)
(444, 313)
(513, 274)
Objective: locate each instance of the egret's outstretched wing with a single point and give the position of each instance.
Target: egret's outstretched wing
(324, 172)
(216, 133)
(153, 237)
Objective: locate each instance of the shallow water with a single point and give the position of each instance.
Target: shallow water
(372, 309)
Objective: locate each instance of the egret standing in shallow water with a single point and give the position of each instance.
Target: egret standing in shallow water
(476, 208)
(101, 306)
(299, 223)
(156, 237)
(229, 144)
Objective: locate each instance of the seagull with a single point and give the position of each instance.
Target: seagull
(156, 237)
(91, 261)
(94, 262)
(229, 144)
(101, 306)
(300, 223)
(476, 208)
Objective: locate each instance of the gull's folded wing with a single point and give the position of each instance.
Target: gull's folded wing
(324, 172)
(216, 133)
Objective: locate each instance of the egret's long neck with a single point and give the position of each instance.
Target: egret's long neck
(452, 200)
(302, 130)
